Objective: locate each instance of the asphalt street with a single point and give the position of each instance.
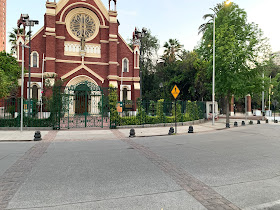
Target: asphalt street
(241, 166)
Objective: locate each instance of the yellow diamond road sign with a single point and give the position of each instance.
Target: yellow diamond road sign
(175, 92)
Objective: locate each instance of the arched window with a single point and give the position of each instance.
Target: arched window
(137, 59)
(125, 65)
(125, 94)
(35, 60)
(35, 92)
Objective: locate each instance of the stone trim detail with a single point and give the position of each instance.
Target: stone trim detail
(74, 49)
(87, 69)
(113, 40)
(60, 37)
(94, 8)
(125, 79)
(50, 29)
(50, 34)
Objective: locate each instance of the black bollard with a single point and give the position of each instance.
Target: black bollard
(190, 129)
(235, 124)
(251, 122)
(227, 125)
(243, 123)
(259, 122)
(171, 131)
(266, 121)
(132, 133)
(37, 136)
(275, 121)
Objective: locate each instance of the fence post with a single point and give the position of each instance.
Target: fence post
(175, 116)
(102, 108)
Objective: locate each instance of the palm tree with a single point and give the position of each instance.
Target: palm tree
(202, 28)
(171, 51)
(13, 37)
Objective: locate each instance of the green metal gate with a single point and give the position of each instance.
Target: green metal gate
(83, 107)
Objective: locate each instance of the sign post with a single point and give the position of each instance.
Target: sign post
(175, 92)
(275, 103)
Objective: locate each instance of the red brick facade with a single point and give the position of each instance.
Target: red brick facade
(104, 68)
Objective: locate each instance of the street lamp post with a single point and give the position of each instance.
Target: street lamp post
(30, 23)
(213, 79)
(22, 86)
(24, 19)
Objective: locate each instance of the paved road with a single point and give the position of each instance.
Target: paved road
(237, 168)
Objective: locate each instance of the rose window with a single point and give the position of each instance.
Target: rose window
(82, 24)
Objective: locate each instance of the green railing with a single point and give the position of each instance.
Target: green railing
(54, 112)
(34, 116)
(158, 112)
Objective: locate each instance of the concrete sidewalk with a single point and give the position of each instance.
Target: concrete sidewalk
(107, 134)
(198, 128)
(14, 135)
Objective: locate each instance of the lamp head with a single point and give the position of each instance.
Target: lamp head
(24, 16)
(228, 2)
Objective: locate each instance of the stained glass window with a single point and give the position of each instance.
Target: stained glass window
(35, 59)
(82, 24)
(125, 66)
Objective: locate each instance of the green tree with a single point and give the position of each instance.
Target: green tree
(189, 73)
(149, 49)
(203, 27)
(9, 74)
(240, 52)
(172, 50)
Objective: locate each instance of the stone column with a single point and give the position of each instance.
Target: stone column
(249, 105)
(50, 36)
(113, 49)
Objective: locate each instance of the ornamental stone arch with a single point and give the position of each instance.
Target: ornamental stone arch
(79, 79)
(86, 84)
(34, 59)
(35, 90)
(76, 5)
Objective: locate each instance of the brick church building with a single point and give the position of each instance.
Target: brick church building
(80, 43)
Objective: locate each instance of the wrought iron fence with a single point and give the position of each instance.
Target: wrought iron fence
(54, 112)
(158, 112)
(37, 115)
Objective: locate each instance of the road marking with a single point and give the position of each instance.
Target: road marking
(263, 206)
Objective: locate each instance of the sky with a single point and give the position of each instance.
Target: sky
(176, 19)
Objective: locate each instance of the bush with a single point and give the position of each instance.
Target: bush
(27, 122)
(162, 109)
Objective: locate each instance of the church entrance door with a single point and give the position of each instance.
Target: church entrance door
(84, 107)
(82, 100)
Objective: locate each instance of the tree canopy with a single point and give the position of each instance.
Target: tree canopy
(240, 48)
(241, 51)
(9, 74)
